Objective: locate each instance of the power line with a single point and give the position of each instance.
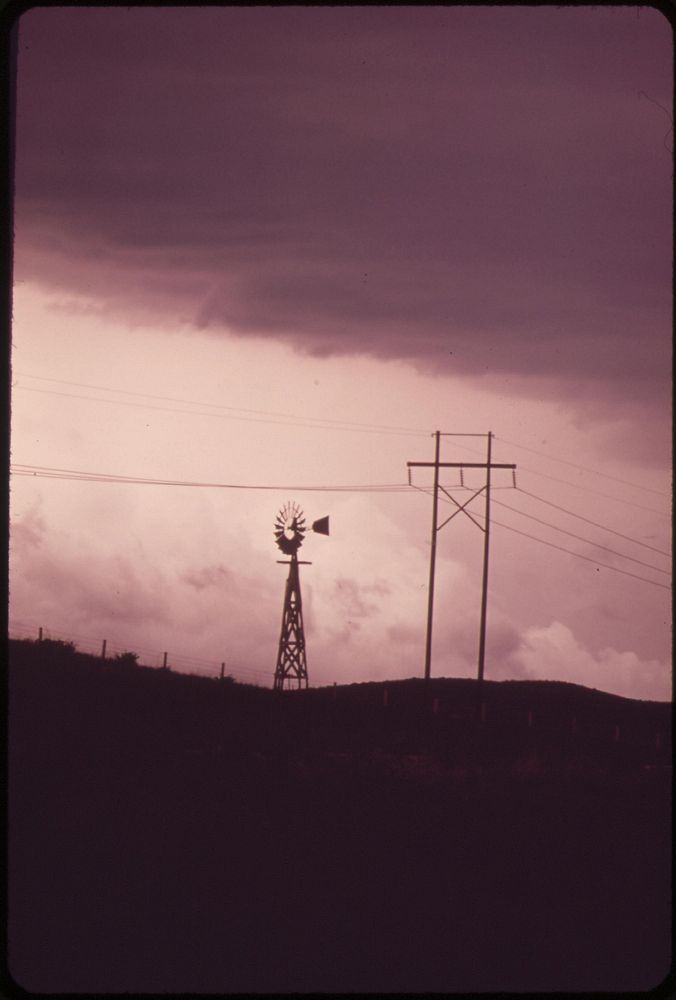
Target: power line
(577, 486)
(83, 476)
(579, 538)
(79, 475)
(578, 555)
(320, 423)
(560, 548)
(596, 524)
(45, 472)
(580, 517)
(583, 468)
(262, 416)
(291, 422)
(588, 489)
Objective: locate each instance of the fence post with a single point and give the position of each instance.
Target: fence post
(40, 634)
(103, 650)
(222, 671)
(164, 662)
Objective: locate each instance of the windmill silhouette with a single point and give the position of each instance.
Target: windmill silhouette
(291, 667)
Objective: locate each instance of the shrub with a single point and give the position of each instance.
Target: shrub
(126, 659)
(57, 647)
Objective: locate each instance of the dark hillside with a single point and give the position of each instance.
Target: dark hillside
(176, 833)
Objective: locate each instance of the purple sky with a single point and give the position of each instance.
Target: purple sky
(477, 196)
(476, 189)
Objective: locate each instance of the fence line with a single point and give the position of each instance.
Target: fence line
(523, 718)
(107, 649)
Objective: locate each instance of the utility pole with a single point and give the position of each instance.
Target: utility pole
(433, 558)
(462, 508)
(484, 586)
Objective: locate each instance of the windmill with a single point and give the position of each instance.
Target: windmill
(291, 668)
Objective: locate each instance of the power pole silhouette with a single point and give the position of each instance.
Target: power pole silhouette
(462, 508)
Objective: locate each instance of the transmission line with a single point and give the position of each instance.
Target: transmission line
(596, 562)
(579, 538)
(84, 476)
(596, 524)
(582, 468)
(319, 423)
(588, 489)
(560, 548)
(261, 416)
(96, 477)
(587, 520)
(577, 486)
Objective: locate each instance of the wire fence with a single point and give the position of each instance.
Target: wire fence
(453, 717)
(110, 648)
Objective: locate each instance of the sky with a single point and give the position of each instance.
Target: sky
(271, 251)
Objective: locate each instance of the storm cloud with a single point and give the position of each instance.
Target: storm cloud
(479, 191)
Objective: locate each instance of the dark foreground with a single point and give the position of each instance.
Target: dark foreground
(147, 857)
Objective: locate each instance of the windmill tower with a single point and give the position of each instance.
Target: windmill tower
(291, 668)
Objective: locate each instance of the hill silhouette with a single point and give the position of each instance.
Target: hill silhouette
(179, 833)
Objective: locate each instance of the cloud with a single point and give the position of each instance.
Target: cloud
(29, 532)
(476, 192)
(164, 594)
(85, 585)
(455, 645)
(199, 588)
(209, 576)
(553, 653)
(64, 574)
(353, 600)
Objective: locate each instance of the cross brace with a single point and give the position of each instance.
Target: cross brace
(461, 508)
(291, 668)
